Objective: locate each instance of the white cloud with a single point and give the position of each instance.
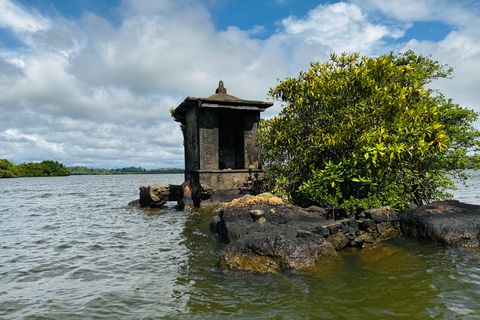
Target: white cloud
(459, 13)
(11, 70)
(339, 27)
(256, 30)
(17, 62)
(39, 141)
(19, 19)
(461, 51)
(403, 10)
(93, 92)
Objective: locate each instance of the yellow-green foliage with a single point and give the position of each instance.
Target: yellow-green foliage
(360, 131)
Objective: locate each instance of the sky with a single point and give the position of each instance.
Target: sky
(91, 82)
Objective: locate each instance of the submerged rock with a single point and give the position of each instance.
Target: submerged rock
(277, 251)
(447, 222)
(134, 203)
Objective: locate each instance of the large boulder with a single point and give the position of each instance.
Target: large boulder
(447, 222)
(266, 235)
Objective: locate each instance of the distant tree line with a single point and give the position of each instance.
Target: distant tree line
(49, 168)
(82, 170)
(46, 168)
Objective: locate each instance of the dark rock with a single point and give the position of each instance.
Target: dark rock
(273, 253)
(242, 216)
(322, 231)
(360, 215)
(387, 232)
(246, 262)
(266, 235)
(396, 225)
(384, 224)
(157, 196)
(338, 240)
(412, 205)
(258, 216)
(364, 237)
(214, 224)
(134, 203)
(367, 225)
(448, 222)
(349, 226)
(381, 214)
(207, 194)
(307, 235)
(318, 210)
(334, 228)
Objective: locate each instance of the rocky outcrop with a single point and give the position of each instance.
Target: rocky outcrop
(449, 222)
(266, 235)
(157, 196)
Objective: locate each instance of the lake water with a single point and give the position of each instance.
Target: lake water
(71, 248)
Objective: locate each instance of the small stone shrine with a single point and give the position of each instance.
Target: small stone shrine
(221, 155)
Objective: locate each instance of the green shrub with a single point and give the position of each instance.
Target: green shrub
(364, 132)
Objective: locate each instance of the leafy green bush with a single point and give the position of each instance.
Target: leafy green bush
(364, 132)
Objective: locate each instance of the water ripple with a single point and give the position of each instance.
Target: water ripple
(71, 248)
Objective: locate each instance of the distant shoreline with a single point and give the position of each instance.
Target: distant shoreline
(50, 168)
(81, 170)
(124, 173)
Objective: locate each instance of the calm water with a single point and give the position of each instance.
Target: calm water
(71, 248)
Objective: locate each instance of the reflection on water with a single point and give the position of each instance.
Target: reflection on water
(70, 248)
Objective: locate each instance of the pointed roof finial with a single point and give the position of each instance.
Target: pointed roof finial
(221, 88)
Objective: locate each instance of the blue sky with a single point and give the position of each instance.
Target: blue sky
(91, 82)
